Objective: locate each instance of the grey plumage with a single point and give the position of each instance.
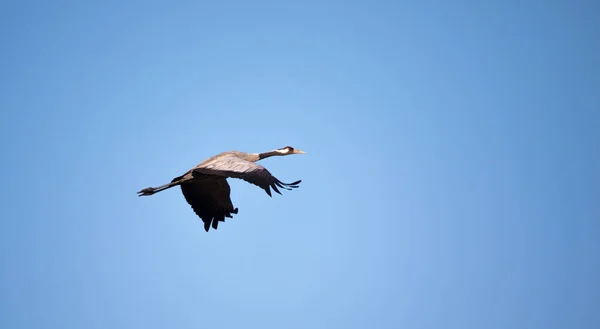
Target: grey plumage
(205, 186)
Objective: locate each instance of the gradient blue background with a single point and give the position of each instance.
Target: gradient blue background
(451, 178)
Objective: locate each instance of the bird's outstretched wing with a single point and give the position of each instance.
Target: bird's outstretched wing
(234, 167)
(209, 198)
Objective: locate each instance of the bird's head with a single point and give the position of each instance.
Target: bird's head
(288, 150)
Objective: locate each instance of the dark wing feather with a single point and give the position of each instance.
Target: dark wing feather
(232, 166)
(209, 198)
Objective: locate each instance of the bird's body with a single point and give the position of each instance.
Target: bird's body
(205, 186)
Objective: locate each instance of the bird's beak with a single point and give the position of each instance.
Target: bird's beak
(299, 152)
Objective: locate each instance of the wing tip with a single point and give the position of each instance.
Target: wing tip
(288, 186)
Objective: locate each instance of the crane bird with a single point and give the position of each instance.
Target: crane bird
(205, 186)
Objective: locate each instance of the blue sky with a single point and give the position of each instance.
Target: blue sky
(451, 178)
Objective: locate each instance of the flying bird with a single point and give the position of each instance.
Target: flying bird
(205, 186)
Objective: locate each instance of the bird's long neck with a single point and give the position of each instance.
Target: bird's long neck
(267, 154)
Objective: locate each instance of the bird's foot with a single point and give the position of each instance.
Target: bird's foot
(146, 191)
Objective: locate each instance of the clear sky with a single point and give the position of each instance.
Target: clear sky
(452, 174)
